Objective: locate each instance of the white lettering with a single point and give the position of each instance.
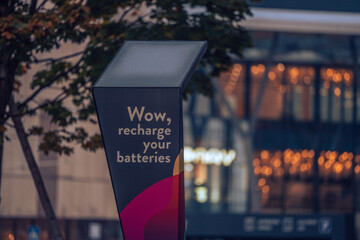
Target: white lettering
(135, 111)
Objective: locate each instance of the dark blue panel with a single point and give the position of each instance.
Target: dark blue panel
(131, 178)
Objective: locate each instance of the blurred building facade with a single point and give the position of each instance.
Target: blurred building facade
(306, 148)
(306, 158)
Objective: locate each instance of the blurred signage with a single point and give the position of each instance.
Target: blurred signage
(273, 226)
(325, 225)
(287, 224)
(95, 231)
(209, 156)
(249, 224)
(33, 233)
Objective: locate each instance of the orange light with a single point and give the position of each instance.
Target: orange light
(265, 189)
(327, 154)
(329, 72)
(281, 67)
(235, 74)
(327, 84)
(336, 77)
(309, 164)
(328, 165)
(288, 153)
(294, 72)
(348, 164)
(292, 170)
(264, 154)
(254, 69)
(266, 170)
(272, 75)
(256, 162)
(337, 91)
(294, 161)
(303, 167)
(347, 76)
(287, 159)
(338, 167)
(11, 236)
(261, 182)
(321, 160)
(238, 66)
(257, 170)
(311, 153)
(333, 155)
(261, 67)
(304, 153)
(357, 169)
(277, 163)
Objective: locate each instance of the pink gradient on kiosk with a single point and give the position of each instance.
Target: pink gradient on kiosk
(154, 213)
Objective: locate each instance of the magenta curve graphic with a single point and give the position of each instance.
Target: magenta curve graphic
(154, 213)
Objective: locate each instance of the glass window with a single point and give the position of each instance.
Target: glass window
(285, 179)
(313, 48)
(272, 100)
(233, 85)
(336, 91)
(261, 45)
(335, 172)
(299, 92)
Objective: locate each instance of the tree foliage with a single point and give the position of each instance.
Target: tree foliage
(99, 28)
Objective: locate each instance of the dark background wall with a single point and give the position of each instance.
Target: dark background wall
(319, 5)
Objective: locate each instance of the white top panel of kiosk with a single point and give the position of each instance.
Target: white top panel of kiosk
(153, 64)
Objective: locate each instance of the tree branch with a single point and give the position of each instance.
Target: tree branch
(42, 4)
(12, 5)
(32, 8)
(32, 96)
(35, 172)
(138, 19)
(58, 98)
(125, 13)
(57, 59)
(9, 125)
